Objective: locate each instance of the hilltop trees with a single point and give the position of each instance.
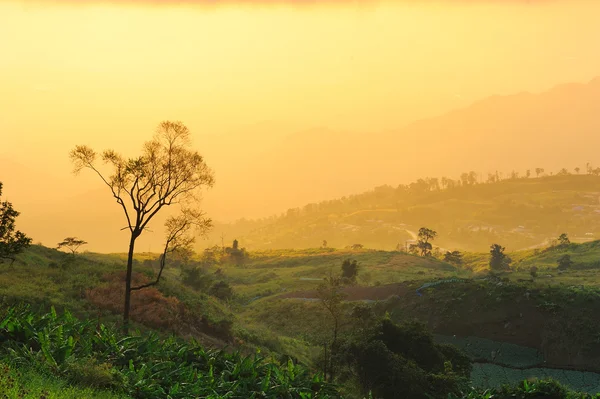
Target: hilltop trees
(454, 257)
(71, 243)
(563, 239)
(539, 171)
(11, 242)
(498, 259)
(423, 245)
(167, 172)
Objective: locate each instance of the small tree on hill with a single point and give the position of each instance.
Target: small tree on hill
(563, 240)
(11, 242)
(349, 270)
(577, 170)
(324, 244)
(167, 172)
(454, 257)
(539, 171)
(71, 243)
(331, 296)
(498, 259)
(564, 262)
(423, 245)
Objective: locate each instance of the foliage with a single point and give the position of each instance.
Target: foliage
(423, 245)
(168, 172)
(564, 262)
(392, 361)
(498, 259)
(349, 270)
(71, 243)
(26, 383)
(146, 366)
(546, 389)
(563, 239)
(533, 271)
(221, 290)
(196, 278)
(179, 239)
(471, 217)
(454, 257)
(11, 242)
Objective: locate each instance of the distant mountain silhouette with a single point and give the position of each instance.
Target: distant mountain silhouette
(554, 129)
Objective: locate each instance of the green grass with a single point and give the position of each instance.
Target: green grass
(26, 383)
(287, 327)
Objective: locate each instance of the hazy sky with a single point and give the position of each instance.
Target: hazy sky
(105, 73)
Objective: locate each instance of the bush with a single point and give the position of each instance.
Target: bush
(397, 361)
(533, 271)
(196, 278)
(221, 290)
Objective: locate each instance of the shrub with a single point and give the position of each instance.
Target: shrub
(221, 290)
(196, 278)
(533, 271)
(564, 262)
(402, 361)
(349, 271)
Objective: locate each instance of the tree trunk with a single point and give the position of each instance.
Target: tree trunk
(128, 285)
(333, 351)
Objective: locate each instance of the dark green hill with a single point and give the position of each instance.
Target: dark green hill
(518, 213)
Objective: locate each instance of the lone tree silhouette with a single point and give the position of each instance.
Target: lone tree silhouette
(71, 243)
(423, 244)
(167, 172)
(498, 259)
(11, 242)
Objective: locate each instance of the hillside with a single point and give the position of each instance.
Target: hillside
(518, 213)
(273, 305)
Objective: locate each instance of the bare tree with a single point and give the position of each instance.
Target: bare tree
(180, 237)
(71, 243)
(168, 172)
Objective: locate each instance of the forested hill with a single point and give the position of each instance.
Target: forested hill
(517, 212)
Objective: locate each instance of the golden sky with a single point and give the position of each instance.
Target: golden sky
(105, 73)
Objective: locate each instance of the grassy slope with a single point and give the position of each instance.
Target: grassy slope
(378, 219)
(29, 384)
(42, 277)
(265, 319)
